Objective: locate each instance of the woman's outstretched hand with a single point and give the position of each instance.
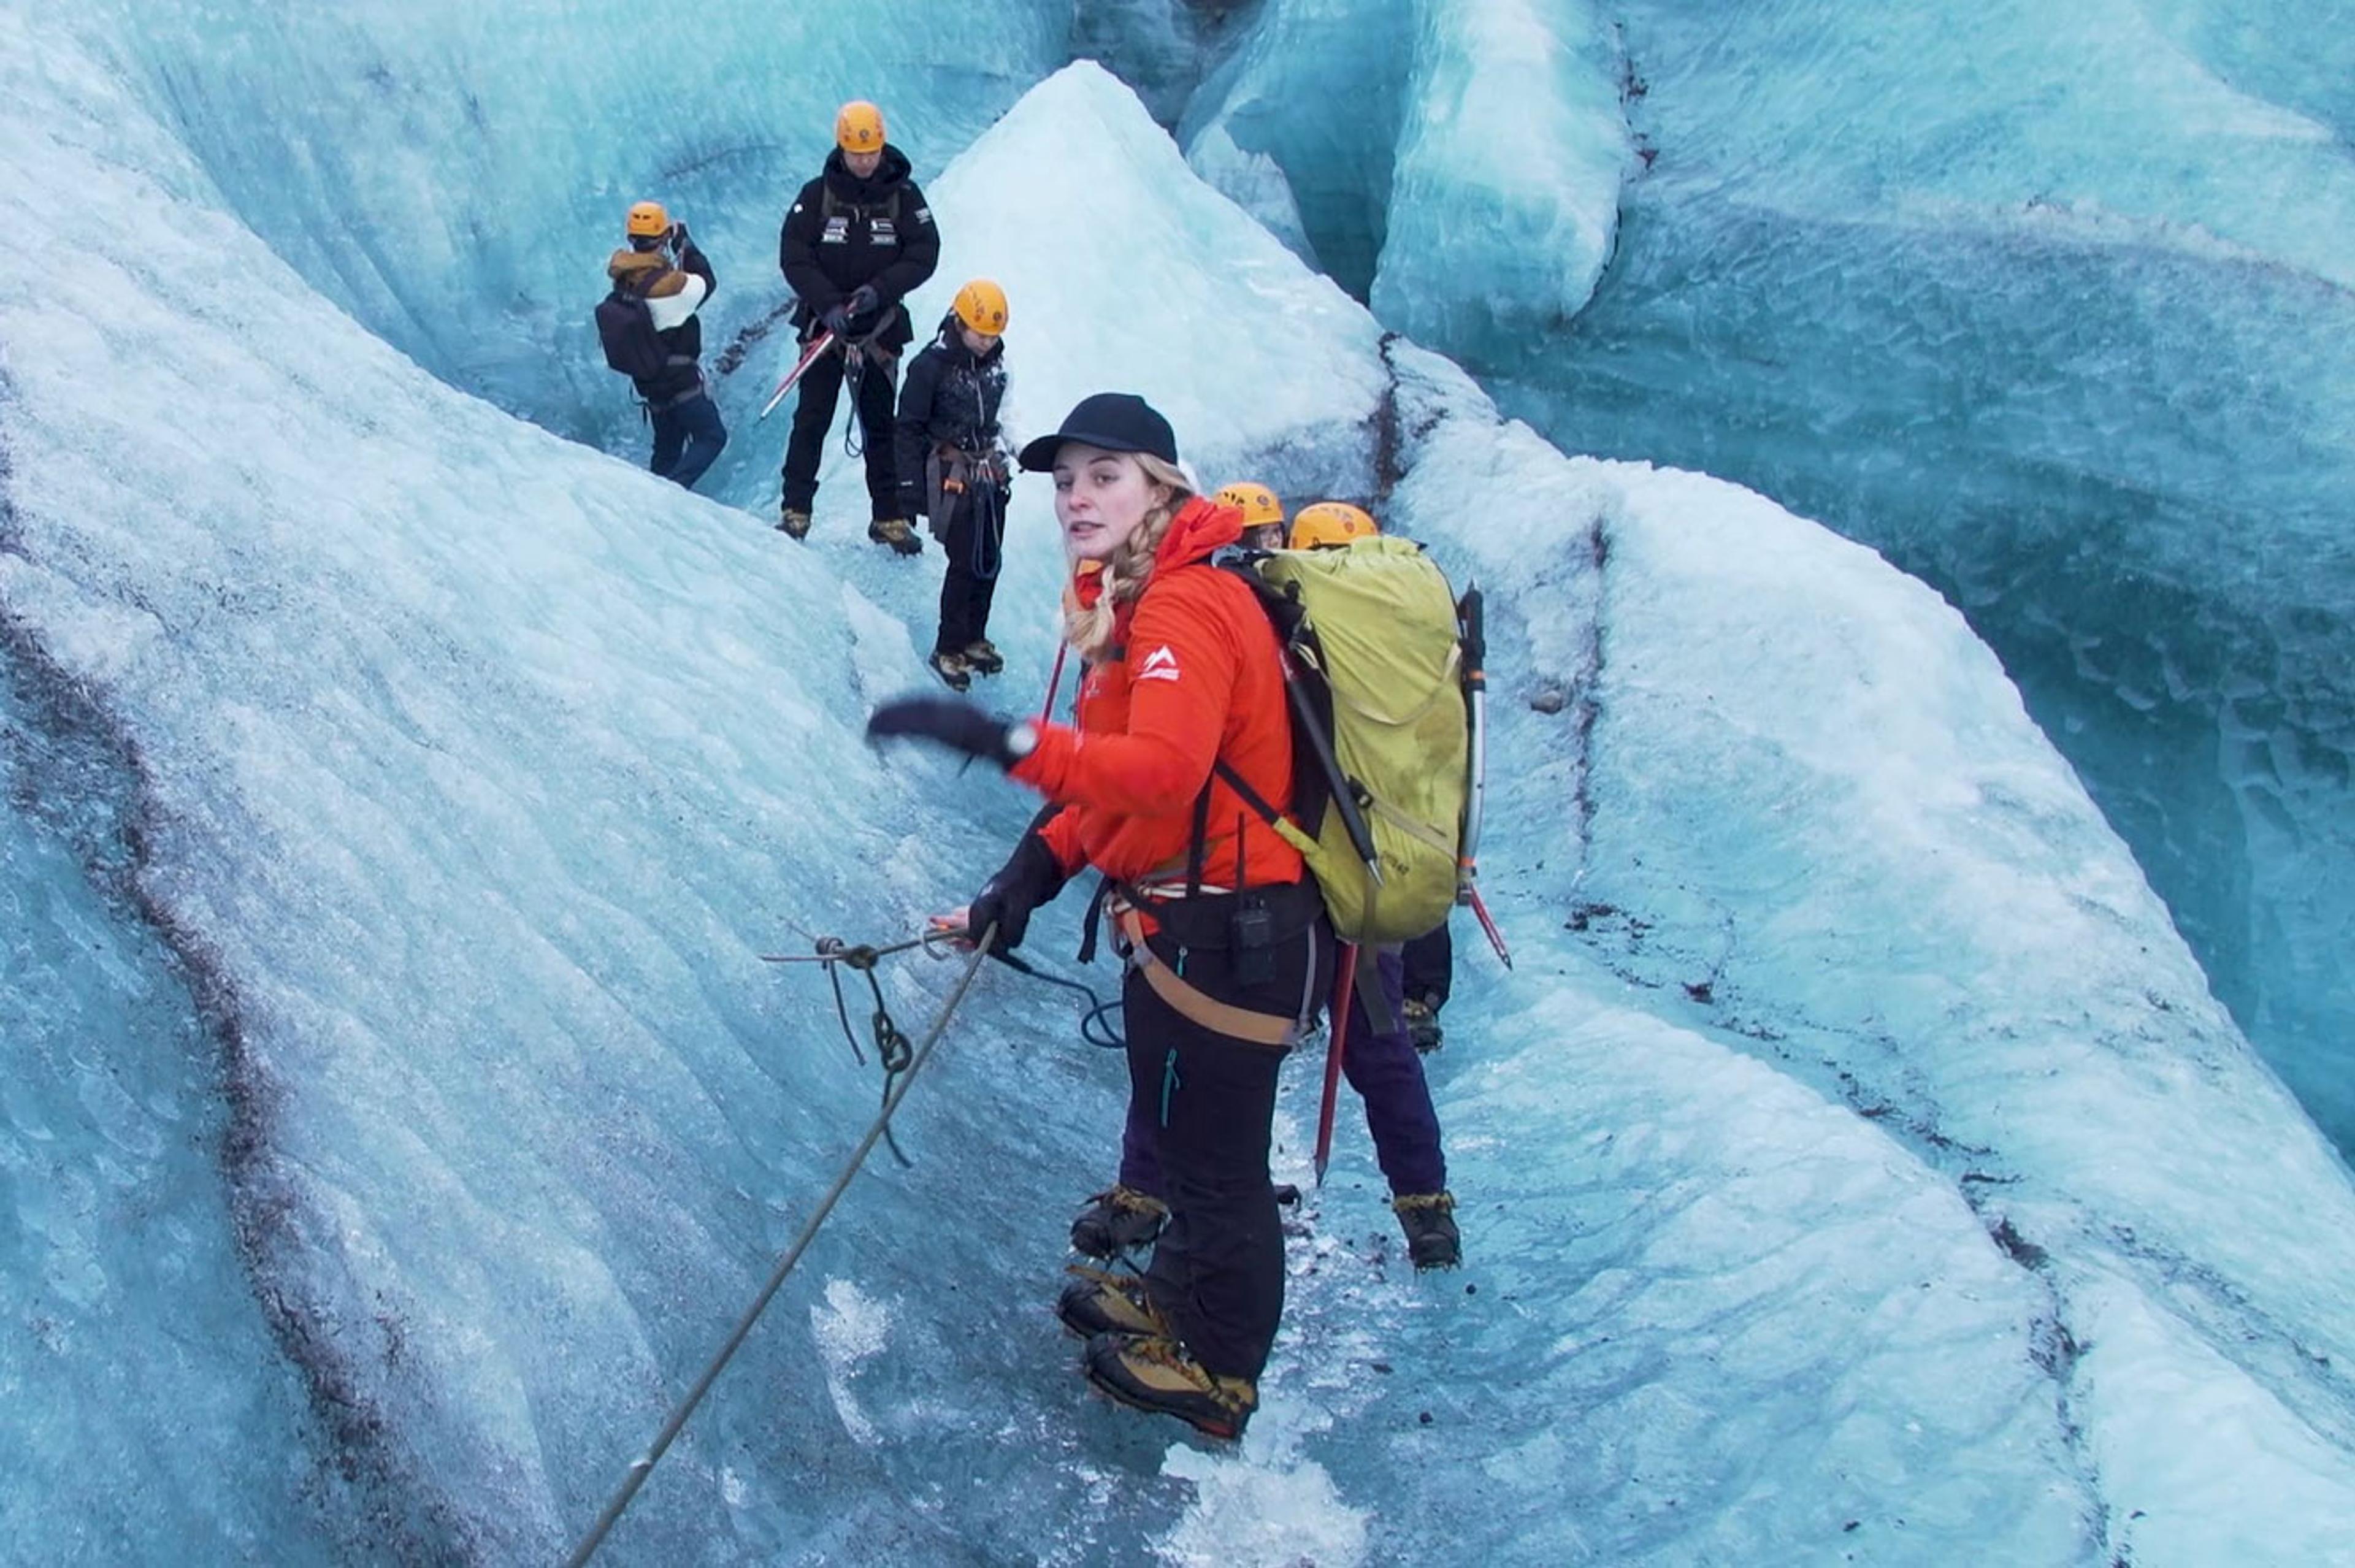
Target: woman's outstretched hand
(957, 724)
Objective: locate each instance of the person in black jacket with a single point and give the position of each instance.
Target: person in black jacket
(856, 241)
(687, 432)
(954, 471)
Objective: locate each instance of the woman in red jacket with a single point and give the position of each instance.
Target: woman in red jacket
(1228, 949)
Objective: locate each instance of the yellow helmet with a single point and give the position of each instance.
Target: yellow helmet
(1329, 523)
(648, 222)
(1257, 503)
(859, 127)
(981, 305)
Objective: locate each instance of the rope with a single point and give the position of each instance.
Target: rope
(988, 553)
(854, 435)
(1095, 1025)
(644, 1466)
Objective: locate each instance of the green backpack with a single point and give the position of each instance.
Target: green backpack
(1382, 739)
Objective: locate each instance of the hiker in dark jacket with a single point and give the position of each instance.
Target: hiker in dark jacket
(856, 239)
(662, 266)
(953, 470)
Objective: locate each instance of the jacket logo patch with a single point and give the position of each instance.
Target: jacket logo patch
(837, 232)
(882, 231)
(1159, 664)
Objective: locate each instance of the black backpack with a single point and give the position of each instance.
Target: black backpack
(626, 327)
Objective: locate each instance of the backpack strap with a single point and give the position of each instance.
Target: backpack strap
(1197, 846)
(1235, 782)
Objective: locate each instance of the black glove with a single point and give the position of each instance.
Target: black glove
(836, 318)
(865, 301)
(1029, 877)
(955, 724)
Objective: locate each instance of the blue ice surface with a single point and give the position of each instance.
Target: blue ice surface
(1504, 195)
(386, 151)
(132, 1340)
(2057, 312)
(1856, 1163)
(1300, 123)
(1457, 166)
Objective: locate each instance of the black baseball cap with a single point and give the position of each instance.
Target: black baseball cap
(1117, 422)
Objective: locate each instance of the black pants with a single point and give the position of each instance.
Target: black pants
(813, 417)
(975, 531)
(1217, 1270)
(1430, 967)
(688, 436)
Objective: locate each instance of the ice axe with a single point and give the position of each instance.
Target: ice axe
(1345, 978)
(1047, 709)
(1470, 623)
(1496, 938)
(818, 345)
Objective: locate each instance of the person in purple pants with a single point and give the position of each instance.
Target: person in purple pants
(1383, 1066)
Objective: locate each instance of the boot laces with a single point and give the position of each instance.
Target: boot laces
(1130, 1285)
(1128, 1199)
(1228, 1393)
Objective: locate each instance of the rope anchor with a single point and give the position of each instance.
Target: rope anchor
(892, 1047)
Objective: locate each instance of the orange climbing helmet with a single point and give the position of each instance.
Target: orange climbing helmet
(981, 305)
(1330, 523)
(859, 127)
(1256, 502)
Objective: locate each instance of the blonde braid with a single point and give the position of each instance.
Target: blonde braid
(1088, 628)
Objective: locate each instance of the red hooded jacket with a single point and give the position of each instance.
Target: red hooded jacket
(1192, 676)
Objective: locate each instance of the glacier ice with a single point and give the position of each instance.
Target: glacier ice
(1457, 165)
(1503, 206)
(1817, 1203)
(1161, 48)
(1312, 93)
(2055, 310)
(131, 1342)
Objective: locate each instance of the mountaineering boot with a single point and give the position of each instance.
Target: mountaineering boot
(794, 523)
(1095, 1302)
(950, 667)
(1116, 1219)
(1429, 1221)
(982, 655)
(1422, 1027)
(895, 532)
(1154, 1372)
